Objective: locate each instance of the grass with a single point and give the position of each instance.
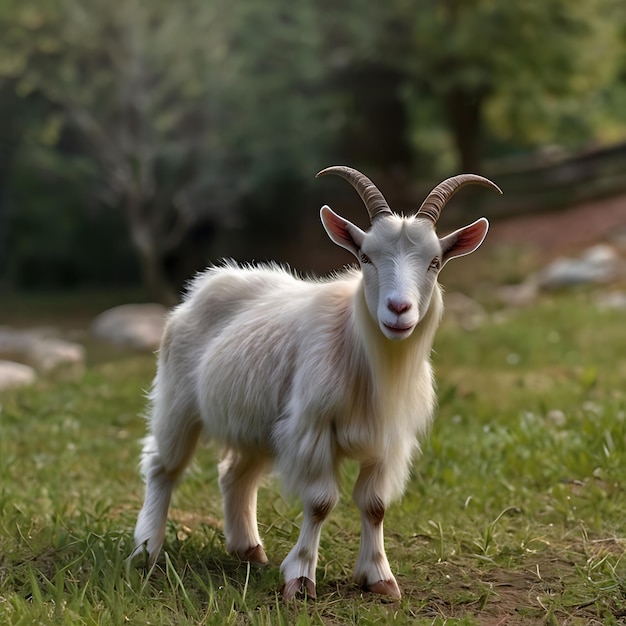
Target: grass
(514, 514)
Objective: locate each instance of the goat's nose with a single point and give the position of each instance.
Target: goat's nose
(398, 306)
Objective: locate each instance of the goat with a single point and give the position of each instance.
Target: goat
(301, 374)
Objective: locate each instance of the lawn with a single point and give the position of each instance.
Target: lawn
(514, 514)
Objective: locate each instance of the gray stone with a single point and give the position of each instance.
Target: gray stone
(38, 348)
(599, 264)
(57, 357)
(13, 375)
(612, 300)
(464, 311)
(517, 296)
(138, 326)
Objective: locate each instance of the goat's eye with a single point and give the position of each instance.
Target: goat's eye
(365, 259)
(435, 264)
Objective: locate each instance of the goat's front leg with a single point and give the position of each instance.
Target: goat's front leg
(372, 569)
(298, 569)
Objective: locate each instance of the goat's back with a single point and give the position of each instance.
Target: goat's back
(237, 342)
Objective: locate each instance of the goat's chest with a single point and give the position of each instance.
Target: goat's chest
(380, 429)
(360, 437)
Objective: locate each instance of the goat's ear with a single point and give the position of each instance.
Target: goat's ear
(464, 241)
(341, 231)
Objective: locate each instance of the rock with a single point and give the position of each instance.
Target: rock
(598, 264)
(516, 296)
(13, 375)
(13, 343)
(45, 353)
(137, 326)
(58, 357)
(465, 311)
(612, 300)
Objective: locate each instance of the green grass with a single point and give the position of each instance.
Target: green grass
(514, 515)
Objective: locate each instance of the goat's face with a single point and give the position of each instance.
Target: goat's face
(400, 258)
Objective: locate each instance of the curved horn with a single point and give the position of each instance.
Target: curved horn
(374, 201)
(441, 194)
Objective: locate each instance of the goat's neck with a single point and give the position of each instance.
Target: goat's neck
(396, 362)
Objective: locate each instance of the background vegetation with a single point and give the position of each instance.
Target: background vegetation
(139, 140)
(514, 514)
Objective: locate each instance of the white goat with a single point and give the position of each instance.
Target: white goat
(302, 374)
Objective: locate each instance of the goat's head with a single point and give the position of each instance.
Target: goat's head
(401, 257)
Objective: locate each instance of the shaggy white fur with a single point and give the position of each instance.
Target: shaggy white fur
(297, 375)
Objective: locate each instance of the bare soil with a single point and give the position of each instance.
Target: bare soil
(567, 231)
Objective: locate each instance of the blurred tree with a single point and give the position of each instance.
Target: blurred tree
(25, 128)
(373, 129)
(184, 122)
(520, 65)
(182, 110)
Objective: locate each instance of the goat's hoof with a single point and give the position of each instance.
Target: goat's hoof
(386, 588)
(254, 554)
(302, 586)
(140, 558)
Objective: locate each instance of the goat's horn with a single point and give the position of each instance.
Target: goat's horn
(441, 194)
(374, 201)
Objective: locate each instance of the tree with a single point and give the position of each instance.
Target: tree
(515, 65)
(181, 109)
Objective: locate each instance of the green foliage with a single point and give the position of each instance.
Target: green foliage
(515, 510)
(180, 116)
(55, 242)
(526, 73)
(179, 131)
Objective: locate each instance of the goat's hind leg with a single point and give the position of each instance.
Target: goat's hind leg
(239, 476)
(166, 453)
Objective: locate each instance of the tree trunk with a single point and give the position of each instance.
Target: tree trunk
(153, 276)
(464, 114)
(376, 132)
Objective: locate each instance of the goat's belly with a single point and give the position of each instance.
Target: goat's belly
(238, 428)
(241, 391)
(238, 413)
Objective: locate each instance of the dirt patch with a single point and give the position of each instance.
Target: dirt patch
(545, 588)
(566, 231)
(191, 521)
